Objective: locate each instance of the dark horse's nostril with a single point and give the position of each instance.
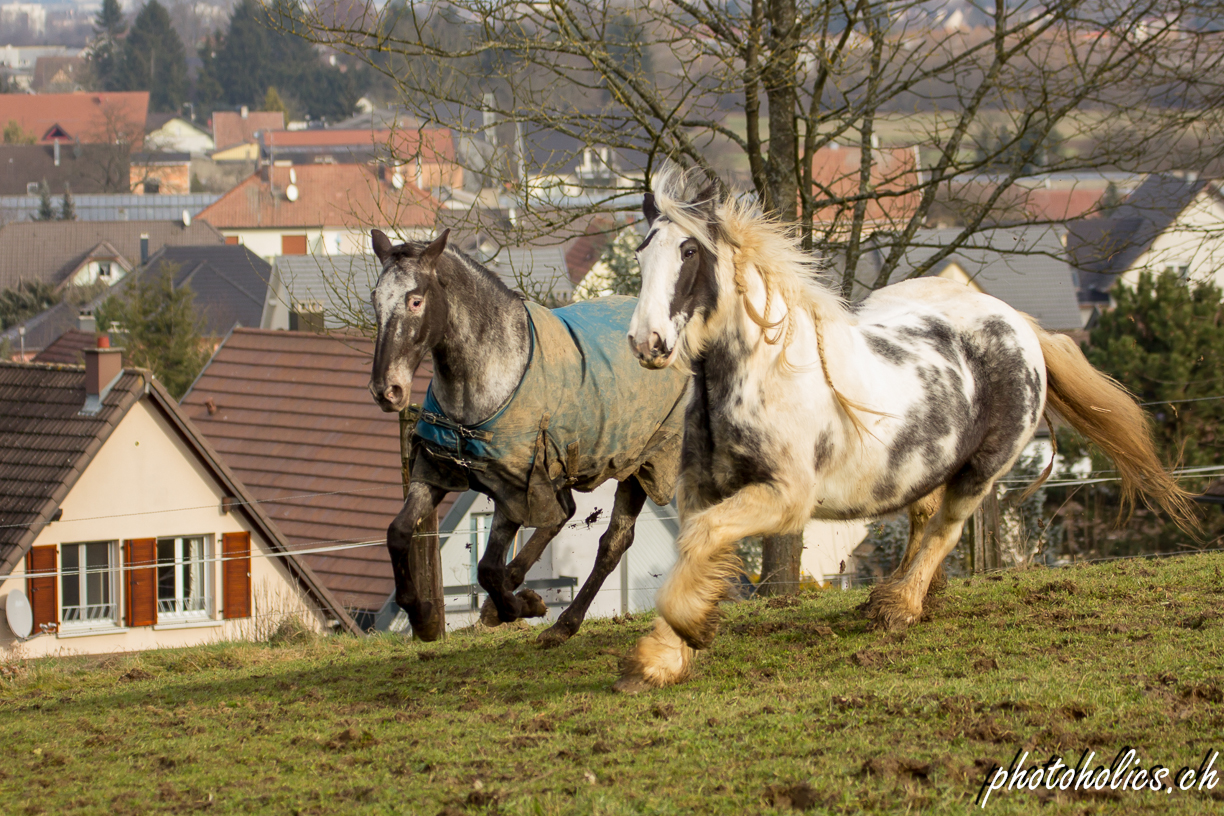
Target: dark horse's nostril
(393, 394)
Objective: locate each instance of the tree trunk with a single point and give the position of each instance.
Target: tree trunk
(425, 561)
(780, 559)
(778, 77)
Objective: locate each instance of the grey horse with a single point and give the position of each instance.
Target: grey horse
(526, 405)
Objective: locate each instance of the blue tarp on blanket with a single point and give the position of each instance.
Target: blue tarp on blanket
(584, 412)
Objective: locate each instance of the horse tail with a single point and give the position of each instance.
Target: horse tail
(1101, 409)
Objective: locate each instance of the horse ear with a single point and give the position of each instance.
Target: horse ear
(432, 252)
(382, 244)
(649, 208)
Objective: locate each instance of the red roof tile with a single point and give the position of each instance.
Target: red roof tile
(291, 415)
(835, 174)
(434, 144)
(94, 118)
(329, 195)
(67, 348)
(230, 128)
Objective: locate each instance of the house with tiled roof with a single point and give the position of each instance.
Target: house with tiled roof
(85, 117)
(69, 348)
(422, 157)
(836, 173)
(233, 128)
(321, 209)
(1167, 224)
(85, 168)
(1025, 267)
(122, 529)
(229, 283)
(291, 415)
(177, 134)
(66, 253)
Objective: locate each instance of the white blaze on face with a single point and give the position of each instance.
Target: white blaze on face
(389, 293)
(660, 263)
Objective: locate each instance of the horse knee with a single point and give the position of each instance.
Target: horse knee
(489, 578)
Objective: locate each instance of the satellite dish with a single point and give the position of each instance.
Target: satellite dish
(291, 192)
(20, 615)
(397, 181)
(186, 218)
(292, 176)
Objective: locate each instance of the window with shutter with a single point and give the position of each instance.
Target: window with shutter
(236, 575)
(140, 562)
(41, 588)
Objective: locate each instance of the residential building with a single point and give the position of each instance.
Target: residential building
(110, 206)
(155, 173)
(229, 283)
(424, 158)
(320, 292)
(1025, 267)
(320, 209)
(1168, 224)
(82, 252)
(82, 168)
(124, 529)
(175, 134)
(85, 117)
(29, 339)
(58, 74)
(69, 348)
(234, 128)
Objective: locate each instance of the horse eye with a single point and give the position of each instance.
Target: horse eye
(415, 301)
(690, 252)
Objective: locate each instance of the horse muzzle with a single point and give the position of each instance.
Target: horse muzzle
(652, 352)
(390, 397)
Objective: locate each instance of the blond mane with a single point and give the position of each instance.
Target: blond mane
(768, 245)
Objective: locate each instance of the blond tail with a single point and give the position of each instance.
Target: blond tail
(1101, 409)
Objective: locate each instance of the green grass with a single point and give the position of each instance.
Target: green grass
(798, 704)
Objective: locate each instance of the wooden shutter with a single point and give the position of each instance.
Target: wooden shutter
(43, 589)
(231, 240)
(293, 244)
(139, 560)
(236, 575)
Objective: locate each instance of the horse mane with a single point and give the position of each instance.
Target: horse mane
(768, 245)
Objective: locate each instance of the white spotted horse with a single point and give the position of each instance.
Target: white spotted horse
(526, 405)
(920, 396)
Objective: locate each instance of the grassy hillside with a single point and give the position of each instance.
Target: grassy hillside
(797, 707)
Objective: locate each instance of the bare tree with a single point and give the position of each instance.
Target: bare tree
(862, 121)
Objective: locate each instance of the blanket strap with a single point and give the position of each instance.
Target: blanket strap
(443, 421)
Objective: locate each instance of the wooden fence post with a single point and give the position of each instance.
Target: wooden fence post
(425, 561)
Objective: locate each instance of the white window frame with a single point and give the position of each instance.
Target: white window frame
(111, 580)
(204, 561)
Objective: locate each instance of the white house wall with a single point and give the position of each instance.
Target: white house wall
(1195, 240)
(266, 243)
(145, 482)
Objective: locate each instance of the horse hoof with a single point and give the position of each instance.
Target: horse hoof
(533, 605)
(631, 684)
(554, 636)
(887, 609)
(488, 614)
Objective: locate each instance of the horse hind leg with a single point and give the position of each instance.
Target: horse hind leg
(492, 573)
(920, 514)
(516, 571)
(898, 602)
(688, 600)
(630, 497)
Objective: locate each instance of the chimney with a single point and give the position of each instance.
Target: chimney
(144, 248)
(57, 153)
(103, 365)
(245, 111)
(87, 323)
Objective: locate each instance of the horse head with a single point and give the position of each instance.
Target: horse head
(678, 259)
(410, 303)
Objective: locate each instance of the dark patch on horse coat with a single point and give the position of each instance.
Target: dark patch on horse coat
(696, 286)
(881, 346)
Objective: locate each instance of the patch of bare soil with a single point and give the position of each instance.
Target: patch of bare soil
(799, 796)
(899, 767)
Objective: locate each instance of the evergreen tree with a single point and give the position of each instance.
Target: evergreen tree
(105, 52)
(25, 300)
(153, 59)
(68, 205)
(46, 210)
(159, 327)
(261, 50)
(208, 93)
(273, 102)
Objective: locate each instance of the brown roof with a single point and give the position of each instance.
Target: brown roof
(88, 169)
(835, 175)
(583, 252)
(292, 415)
(93, 118)
(434, 144)
(51, 250)
(231, 128)
(329, 195)
(45, 446)
(67, 348)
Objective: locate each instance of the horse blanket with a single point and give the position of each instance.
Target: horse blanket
(584, 412)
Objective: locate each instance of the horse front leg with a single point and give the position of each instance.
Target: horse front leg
(920, 514)
(424, 618)
(494, 577)
(630, 497)
(516, 571)
(688, 600)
